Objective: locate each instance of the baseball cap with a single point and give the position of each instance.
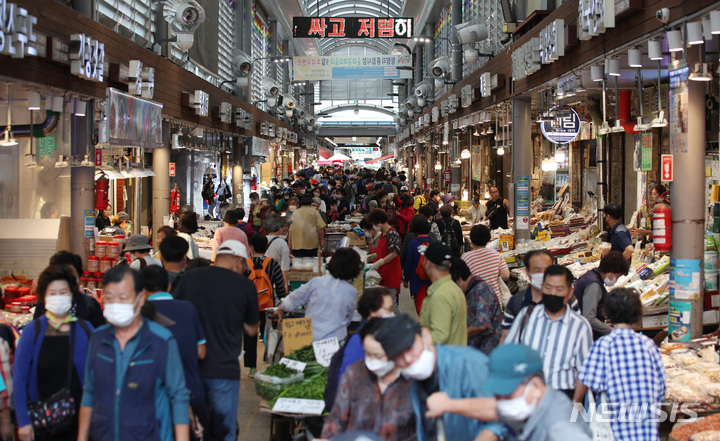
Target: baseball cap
(509, 365)
(404, 188)
(233, 248)
(438, 253)
(313, 181)
(447, 198)
(397, 334)
(123, 216)
(138, 242)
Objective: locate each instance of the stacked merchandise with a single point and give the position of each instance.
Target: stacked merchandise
(692, 374)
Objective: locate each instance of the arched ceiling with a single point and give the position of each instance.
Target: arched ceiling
(343, 107)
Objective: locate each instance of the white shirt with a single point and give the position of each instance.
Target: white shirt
(149, 260)
(475, 215)
(278, 250)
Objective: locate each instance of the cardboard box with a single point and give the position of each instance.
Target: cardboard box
(356, 240)
(655, 321)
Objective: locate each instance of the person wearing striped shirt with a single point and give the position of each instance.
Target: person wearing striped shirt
(561, 335)
(486, 263)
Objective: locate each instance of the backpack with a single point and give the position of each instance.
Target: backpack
(448, 235)
(263, 285)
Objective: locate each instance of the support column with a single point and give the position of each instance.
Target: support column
(456, 47)
(161, 28)
(161, 184)
(237, 173)
(85, 7)
(82, 187)
(521, 156)
(273, 48)
(688, 214)
(419, 68)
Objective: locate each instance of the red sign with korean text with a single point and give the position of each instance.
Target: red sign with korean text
(667, 168)
(172, 169)
(352, 27)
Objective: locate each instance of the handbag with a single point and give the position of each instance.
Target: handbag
(56, 414)
(601, 431)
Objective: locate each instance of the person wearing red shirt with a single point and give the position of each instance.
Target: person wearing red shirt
(404, 215)
(387, 252)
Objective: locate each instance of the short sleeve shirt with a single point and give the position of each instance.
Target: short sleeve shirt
(394, 241)
(619, 237)
(278, 250)
(305, 222)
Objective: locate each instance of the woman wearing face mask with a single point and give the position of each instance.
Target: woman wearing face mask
(372, 395)
(387, 252)
(50, 357)
(591, 290)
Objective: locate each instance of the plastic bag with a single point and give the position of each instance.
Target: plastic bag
(269, 387)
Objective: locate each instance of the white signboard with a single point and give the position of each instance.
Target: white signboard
(87, 57)
(595, 17)
(293, 364)
(552, 41)
(299, 405)
(325, 349)
(352, 67)
(16, 31)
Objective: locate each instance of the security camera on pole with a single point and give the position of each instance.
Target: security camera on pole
(185, 17)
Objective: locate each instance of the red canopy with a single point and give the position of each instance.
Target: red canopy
(380, 159)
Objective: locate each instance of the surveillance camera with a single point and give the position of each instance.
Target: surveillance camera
(440, 67)
(471, 32)
(310, 120)
(663, 15)
(184, 18)
(289, 102)
(422, 90)
(471, 55)
(272, 88)
(241, 62)
(302, 113)
(439, 83)
(411, 103)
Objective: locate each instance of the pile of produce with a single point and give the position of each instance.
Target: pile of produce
(280, 381)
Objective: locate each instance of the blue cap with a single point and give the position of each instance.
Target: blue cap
(509, 365)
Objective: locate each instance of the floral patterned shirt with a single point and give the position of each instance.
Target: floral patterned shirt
(359, 405)
(483, 309)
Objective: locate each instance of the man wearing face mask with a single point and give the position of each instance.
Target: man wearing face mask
(227, 304)
(523, 401)
(135, 385)
(372, 395)
(307, 230)
(562, 336)
(591, 290)
(458, 371)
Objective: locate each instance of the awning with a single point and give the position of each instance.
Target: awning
(324, 153)
(380, 159)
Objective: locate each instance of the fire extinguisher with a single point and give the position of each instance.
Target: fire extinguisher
(448, 176)
(175, 200)
(662, 227)
(101, 192)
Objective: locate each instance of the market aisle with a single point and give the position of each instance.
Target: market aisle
(255, 425)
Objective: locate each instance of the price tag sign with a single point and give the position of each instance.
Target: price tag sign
(293, 364)
(325, 349)
(299, 405)
(296, 333)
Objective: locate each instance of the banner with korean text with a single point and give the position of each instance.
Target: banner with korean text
(359, 67)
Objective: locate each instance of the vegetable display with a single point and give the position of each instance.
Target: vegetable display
(305, 354)
(311, 389)
(279, 370)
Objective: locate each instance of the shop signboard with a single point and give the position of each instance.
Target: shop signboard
(476, 164)
(355, 67)
(679, 315)
(595, 17)
(564, 128)
(172, 169)
(678, 105)
(89, 223)
(87, 57)
(299, 405)
(16, 31)
(325, 349)
(46, 146)
(546, 48)
(133, 122)
(685, 279)
(260, 147)
(647, 150)
(523, 202)
(667, 168)
(352, 27)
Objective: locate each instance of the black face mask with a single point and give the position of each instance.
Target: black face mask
(553, 303)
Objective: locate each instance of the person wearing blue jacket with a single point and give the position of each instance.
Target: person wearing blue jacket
(459, 371)
(135, 386)
(42, 359)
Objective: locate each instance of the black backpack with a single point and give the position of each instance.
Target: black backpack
(448, 235)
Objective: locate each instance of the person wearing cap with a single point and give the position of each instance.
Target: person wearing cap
(307, 229)
(444, 311)
(139, 246)
(229, 232)
(331, 299)
(619, 235)
(404, 190)
(227, 304)
(321, 205)
(456, 370)
(561, 335)
(121, 224)
(476, 212)
(372, 395)
(389, 187)
(523, 402)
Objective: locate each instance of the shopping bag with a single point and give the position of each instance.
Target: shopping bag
(601, 431)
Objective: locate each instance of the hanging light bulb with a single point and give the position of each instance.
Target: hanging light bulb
(695, 33)
(700, 73)
(438, 166)
(596, 72)
(674, 38)
(476, 132)
(613, 67)
(559, 156)
(33, 100)
(354, 138)
(655, 50)
(500, 151)
(465, 154)
(634, 57)
(356, 111)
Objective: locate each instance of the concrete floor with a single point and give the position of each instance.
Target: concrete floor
(255, 425)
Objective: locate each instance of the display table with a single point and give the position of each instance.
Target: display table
(284, 426)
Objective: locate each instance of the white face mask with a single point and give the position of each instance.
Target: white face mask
(516, 410)
(423, 368)
(120, 315)
(379, 367)
(292, 208)
(609, 282)
(388, 315)
(58, 305)
(302, 191)
(377, 228)
(536, 280)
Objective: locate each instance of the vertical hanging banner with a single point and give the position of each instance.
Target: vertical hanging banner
(523, 202)
(678, 110)
(646, 146)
